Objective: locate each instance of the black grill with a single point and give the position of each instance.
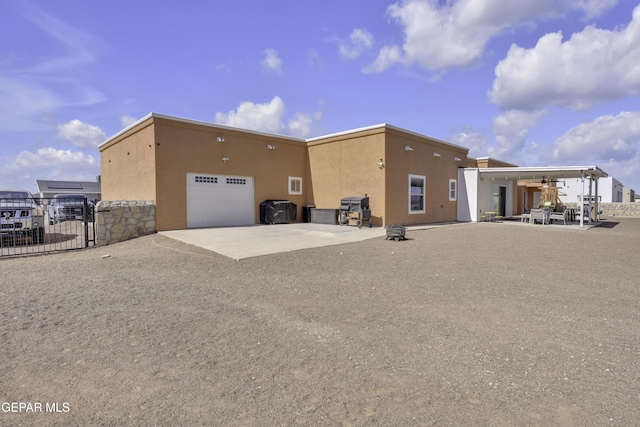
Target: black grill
(354, 211)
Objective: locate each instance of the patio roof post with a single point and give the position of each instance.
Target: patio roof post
(597, 202)
(581, 204)
(590, 196)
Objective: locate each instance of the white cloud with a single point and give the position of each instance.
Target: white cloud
(262, 117)
(33, 87)
(593, 9)
(271, 62)
(511, 130)
(81, 47)
(387, 56)
(593, 66)
(48, 163)
(475, 141)
(301, 124)
(605, 139)
(127, 121)
(269, 118)
(440, 35)
(23, 103)
(360, 41)
(314, 60)
(81, 135)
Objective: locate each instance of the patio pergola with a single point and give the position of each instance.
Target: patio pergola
(479, 185)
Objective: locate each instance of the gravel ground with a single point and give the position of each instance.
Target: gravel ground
(478, 324)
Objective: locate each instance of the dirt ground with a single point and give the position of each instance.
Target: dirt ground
(476, 324)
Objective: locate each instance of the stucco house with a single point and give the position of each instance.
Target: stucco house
(201, 174)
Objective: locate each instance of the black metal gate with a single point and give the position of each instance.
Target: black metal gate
(29, 226)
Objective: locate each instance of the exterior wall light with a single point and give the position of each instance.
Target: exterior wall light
(436, 154)
(457, 159)
(381, 164)
(220, 139)
(225, 159)
(408, 148)
(271, 147)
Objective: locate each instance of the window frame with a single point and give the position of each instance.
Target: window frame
(423, 195)
(291, 180)
(453, 190)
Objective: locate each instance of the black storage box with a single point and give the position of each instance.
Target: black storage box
(306, 213)
(278, 212)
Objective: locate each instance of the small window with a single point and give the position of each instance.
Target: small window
(238, 181)
(416, 194)
(453, 190)
(295, 185)
(207, 179)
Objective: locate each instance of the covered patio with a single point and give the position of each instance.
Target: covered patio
(508, 192)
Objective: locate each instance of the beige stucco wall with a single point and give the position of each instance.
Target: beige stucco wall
(420, 161)
(127, 165)
(347, 166)
(488, 162)
(151, 162)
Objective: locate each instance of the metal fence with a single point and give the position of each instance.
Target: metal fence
(30, 226)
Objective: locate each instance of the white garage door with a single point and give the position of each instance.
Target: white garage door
(219, 200)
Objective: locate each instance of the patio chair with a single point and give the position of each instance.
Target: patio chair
(526, 216)
(559, 216)
(538, 215)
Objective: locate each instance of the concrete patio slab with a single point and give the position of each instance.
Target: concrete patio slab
(256, 240)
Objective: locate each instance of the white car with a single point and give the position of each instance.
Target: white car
(67, 207)
(21, 218)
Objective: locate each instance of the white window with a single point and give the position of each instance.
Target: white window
(453, 190)
(206, 179)
(238, 181)
(416, 194)
(295, 185)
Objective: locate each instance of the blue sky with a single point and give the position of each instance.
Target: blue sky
(536, 83)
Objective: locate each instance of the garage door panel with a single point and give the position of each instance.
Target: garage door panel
(219, 200)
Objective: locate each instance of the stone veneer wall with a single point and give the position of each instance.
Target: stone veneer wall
(121, 220)
(610, 210)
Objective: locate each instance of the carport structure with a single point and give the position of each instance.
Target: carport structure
(486, 185)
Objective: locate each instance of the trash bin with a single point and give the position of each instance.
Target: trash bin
(306, 213)
(278, 212)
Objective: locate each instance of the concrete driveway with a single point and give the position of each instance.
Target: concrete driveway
(256, 240)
